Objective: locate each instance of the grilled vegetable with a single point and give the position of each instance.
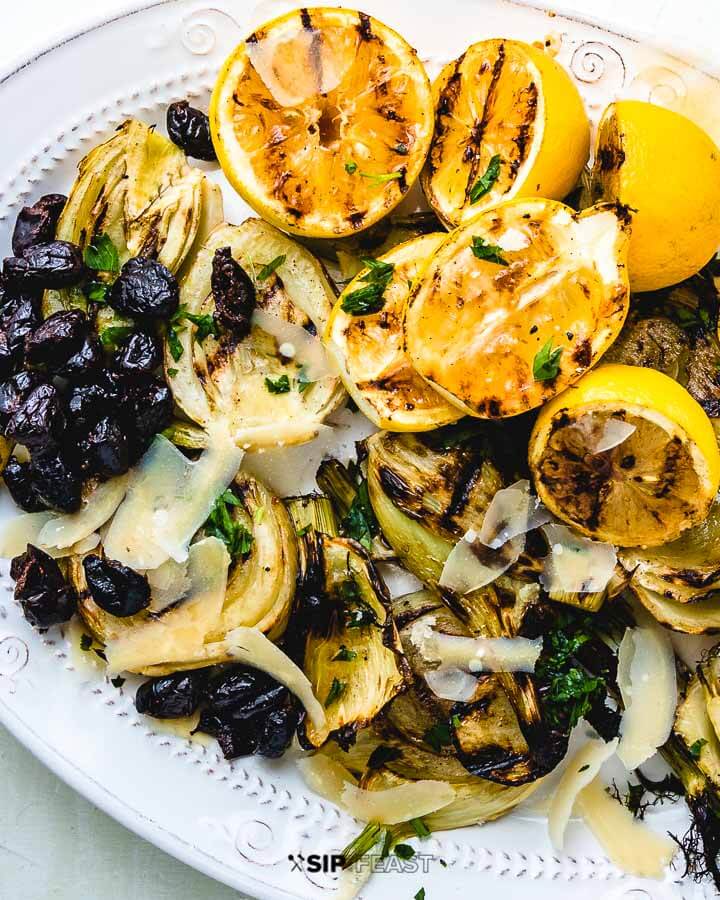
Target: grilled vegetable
(268, 398)
(351, 652)
(700, 616)
(135, 194)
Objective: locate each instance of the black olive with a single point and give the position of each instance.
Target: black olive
(145, 288)
(240, 739)
(14, 391)
(41, 590)
(59, 337)
(150, 411)
(55, 264)
(234, 293)
(39, 420)
(56, 481)
(23, 317)
(242, 692)
(104, 450)
(36, 224)
(7, 357)
(276, 731)
(116, 588)
(189, 128)
(172, 696)
(19, 482)
(139, 355)
(87, 360)
(88, 403)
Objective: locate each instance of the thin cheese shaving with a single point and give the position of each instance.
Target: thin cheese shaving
(169, 583)
(629, 843)
(476, 654)
(576, 565)
(389, 806)
(648, 685)
(579, 771)
(19, 531)
(294, 342)
(614, 433)
(471, 565)
(512, 511)
(452, 683)
(96, 509)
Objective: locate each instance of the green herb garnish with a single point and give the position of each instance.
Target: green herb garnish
(370, 298)
(303, 382)
(113, 335)
(337, 689)
(351, 167)
(172, 372)
(222, 525)
(268, 270)
(360, 522)
(438, 736)
(279, 385)
(102, 255)
(485, 183)
(420, 828)
(86, 642)
(491, 252)
(97, 291)
(404, 851)
(344, 655)
(420, 894)
(546, 364)
(695, 749)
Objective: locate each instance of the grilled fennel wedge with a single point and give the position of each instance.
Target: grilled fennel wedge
(345, 633)
(263, 395)
(138, 189)
(259, 590)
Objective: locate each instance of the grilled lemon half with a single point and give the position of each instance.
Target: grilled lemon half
(369, 349)
(667, 170)
(509, 123)
(646, 489)
(322, 120)
(518, 303)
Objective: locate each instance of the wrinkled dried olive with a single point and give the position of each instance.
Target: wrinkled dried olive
(36, 224)
(189, 128)
(14, 391)
(41, 590)
(87, 360)
(233, 292)
(241, 692)
(7, 357)
(57, 339)
(56, 264)
(88, 403)
(20, 318)
(104, 450)
(56, 480)
(139, 355)
(172, 696)
(145, 288)
(276, 731)
(234, 741)
(151, 407)
(39, 420)
(19, 482)
(115, 588)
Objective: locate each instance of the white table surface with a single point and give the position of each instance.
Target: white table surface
(54, 845)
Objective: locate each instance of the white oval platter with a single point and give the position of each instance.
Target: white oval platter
(241, 822)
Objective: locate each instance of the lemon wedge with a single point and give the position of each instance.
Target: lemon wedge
(656, 482)
(322, 120)
(509, 123)
(518, 303)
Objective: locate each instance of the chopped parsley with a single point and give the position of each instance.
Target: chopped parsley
(303, 382)
(546, 364)
(351, 167)
(344, 655)
(174, 344)
(360, 522)
(483, 185)
(404, 851)
(111, 336)
(102, 255)
(301, 532)
(491, 252)
(268, 270)
(695, 749)
(280, 385)
(381, 755)
(337, 689)
(420, 894)
(438, 736)
(97, 291)
(172, 372)
(222, 525)
(370, 298)
(420, 828)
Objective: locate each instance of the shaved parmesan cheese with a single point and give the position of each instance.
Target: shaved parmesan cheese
(614, 433)
(451, 683)
(580, 770)
(476, 654)
(96, 509)
(168, 499)
(512, 511)
(250, 646)
(648, 685)
(18, 532)
(169, 583)
(390, 806)
(472, 565)
(628, 842)
(306, 349)
(576, 565)
(179, 634)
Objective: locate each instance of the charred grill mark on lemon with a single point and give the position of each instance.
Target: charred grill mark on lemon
(508, 122)
(322, 120)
